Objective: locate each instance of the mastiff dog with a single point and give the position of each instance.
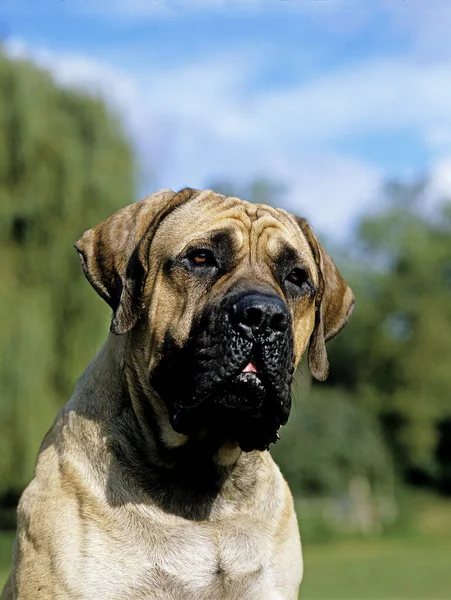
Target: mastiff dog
(154, 481)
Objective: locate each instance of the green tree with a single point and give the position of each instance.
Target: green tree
(329, 442)
(396, 353)
(260, 190)
(64, 166)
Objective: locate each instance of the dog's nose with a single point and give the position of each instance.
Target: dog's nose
(259, 312)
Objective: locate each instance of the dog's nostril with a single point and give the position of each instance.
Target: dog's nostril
(253, 316)
(279, 322)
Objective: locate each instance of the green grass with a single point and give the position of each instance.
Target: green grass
(410, 568)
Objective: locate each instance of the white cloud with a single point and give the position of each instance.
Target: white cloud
(214, 95)
(438, 137)
(198, 121)
(332, 191)
(378, 96)
(439, 187)
(426, 22)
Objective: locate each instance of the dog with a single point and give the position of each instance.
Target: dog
(154, 481)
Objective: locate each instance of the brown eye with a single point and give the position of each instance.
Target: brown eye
(202, 258)
(199, 259)
(298, 277)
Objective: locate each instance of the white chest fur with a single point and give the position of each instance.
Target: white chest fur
(186, 561)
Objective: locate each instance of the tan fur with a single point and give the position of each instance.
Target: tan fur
(86, 527)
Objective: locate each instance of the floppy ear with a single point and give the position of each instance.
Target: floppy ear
(335, 304)
(114, 255)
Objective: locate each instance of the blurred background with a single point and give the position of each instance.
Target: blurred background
(338, 111)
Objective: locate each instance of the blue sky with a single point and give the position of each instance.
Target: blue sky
(329, 97)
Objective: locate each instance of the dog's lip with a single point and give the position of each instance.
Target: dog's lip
(250, 378)
(252, 370)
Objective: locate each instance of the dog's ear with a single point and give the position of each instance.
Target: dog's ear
(114, 255)
(335, 304)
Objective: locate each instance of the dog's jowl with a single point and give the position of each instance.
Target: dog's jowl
(154, 481)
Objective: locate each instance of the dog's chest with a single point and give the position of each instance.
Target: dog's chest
(201, 561)
(206, 562)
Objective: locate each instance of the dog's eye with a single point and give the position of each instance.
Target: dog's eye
(202, 258)
(298, 276)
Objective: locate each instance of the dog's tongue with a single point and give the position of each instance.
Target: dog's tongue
(250, 368)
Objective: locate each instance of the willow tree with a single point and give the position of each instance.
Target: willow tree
(64, 166)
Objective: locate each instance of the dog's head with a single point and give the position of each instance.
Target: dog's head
(219, 299)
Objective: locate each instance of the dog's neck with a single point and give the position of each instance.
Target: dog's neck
(189, 474)
(153, 416)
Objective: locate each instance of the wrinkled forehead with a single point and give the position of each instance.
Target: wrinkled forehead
(245, 223)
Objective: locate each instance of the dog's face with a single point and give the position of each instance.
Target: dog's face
(220, 298)
(231, 309)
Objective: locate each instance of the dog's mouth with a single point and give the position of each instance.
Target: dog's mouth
(252, 374)
(242, 406)
(246, 390)
(228, 387)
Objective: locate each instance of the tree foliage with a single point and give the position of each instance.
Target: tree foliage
(260, 190)
(64, 166)
(330, 442)
(395, 355)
